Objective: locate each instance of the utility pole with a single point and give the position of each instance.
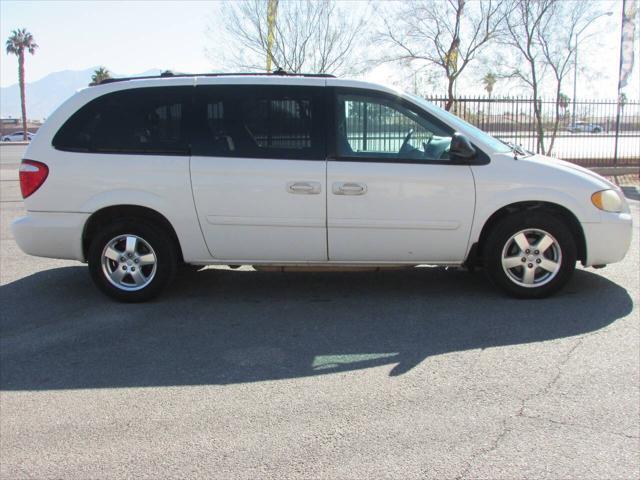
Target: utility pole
(272, 13)
(575, 81)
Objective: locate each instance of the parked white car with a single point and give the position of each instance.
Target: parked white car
(137, 176)
(585, 127)
(17, 137)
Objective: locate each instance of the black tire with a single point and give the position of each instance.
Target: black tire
(533, 223)
(164, 252)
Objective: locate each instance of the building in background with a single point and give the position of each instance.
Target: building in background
(11, 125)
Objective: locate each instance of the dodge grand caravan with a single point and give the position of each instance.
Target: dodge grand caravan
(136, 176)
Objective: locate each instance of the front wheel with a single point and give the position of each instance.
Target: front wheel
(530, 255)
(131, 260)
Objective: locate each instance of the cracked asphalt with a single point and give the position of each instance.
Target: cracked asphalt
(427, 373)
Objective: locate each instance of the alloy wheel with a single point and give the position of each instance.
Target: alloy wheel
(531, 258)
(129, 262)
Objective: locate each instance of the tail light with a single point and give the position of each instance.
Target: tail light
(32, 176)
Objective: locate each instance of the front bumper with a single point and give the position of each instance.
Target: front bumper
(608, 241)
(51, 234)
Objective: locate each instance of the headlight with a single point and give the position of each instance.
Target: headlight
(607, 200)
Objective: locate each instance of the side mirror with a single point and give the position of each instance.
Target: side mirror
(461, 148)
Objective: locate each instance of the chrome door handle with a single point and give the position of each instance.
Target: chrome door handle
(304, 188)
(349, 188)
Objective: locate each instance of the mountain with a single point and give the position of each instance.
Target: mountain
(46, 94)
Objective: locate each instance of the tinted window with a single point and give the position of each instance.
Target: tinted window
(257, 121)
(379, 127)
(217, 133)
(281, 123)
(137, 121)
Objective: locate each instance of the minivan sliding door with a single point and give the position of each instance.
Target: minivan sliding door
(258, 172)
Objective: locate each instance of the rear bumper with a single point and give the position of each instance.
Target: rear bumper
(51, 234)
(608, 241)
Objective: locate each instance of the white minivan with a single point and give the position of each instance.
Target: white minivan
(136, 176)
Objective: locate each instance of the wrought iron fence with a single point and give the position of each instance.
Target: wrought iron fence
(375, 127)
(586, 133)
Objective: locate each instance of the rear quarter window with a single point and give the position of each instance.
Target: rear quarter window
(135, 121)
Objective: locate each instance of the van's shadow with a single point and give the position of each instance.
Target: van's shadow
(221, 327)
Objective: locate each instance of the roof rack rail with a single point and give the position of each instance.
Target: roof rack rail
(169, 73)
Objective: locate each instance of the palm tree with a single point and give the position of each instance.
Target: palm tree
(489, 81)
(19, 41)
(100, 74)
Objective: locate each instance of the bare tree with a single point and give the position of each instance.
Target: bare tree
(447, 34)
(543, 35)
(310, 36)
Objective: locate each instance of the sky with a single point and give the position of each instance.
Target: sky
(129, 37)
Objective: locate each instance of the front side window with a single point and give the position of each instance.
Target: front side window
(380, 128)
(260, 122)
(135, 121)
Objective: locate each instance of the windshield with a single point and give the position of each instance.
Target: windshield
(495, 144)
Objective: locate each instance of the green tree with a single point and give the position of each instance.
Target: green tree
(489, 80)
(18, 42)
(100, 74)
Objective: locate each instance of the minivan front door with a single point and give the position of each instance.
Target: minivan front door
(393, 193)
(258, 172)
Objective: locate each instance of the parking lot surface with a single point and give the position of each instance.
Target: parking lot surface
(424, 373)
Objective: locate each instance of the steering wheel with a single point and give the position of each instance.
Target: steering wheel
(426, 144)
(406, 140)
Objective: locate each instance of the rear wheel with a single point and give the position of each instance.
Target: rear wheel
(132, 260)
(530, 255)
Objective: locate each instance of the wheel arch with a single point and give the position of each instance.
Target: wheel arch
(477, 250)
(113, 212)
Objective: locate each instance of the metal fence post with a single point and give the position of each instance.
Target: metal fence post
(615, 149)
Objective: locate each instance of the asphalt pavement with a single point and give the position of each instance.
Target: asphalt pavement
(425, 373)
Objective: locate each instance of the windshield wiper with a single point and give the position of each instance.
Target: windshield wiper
(517, 149)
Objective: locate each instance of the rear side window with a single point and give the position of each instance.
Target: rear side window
(279, 122)
(260, 122)
(135, 121)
